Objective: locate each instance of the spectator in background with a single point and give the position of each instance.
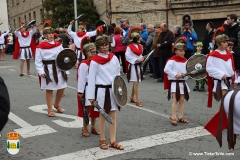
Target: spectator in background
(236, 55)
(189, 33)
(10, 44)
(64, 37)
(148, 45)
(72, 44)
(110, 33)
(114, 25)
(37, 36)
(233, 28)
(164, 44)
(208, 37)
(119, 49)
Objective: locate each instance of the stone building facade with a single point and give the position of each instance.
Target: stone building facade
(168, 11)
(25, 11)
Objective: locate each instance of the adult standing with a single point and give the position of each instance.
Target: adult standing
(24, 47)
(10, 44)
(119, 49)
(164, 44)
(148, 45)
(190, 34)
(64, 38)
(37, 35)
(2, 45)
(156, 53)
(233, 28)
(208, 37)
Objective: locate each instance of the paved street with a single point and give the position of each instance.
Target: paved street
(146, 133)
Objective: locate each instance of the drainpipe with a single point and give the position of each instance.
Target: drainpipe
(110, 11)
(167, 12)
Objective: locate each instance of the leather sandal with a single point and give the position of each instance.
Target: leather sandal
(139, 104)
(182, 120)
(95, 131)
(85, 133)
(116, 145)
(21, 74)
(173, 121)
(132, 100)
(103, 144)
(59, 109)
(51, 114)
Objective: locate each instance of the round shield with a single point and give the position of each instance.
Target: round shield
(66, 59)
(194, 63)
(103, 24)
(119, 89)
(31, 22)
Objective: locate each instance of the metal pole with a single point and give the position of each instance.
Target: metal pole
(75, 14)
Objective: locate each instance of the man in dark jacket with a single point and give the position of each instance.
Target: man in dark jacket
(164, 44)
(4, 104)
(208, 37)
(233, 28)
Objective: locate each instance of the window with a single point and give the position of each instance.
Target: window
(34, 15)
(14, 23)
(25, 18)
(19, 21)
(41, 13)
(30, 18)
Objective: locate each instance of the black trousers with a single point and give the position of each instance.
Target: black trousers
(159, 64)
(122, 55)
(188, 54)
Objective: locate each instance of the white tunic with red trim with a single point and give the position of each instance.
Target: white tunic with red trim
(82, 79)
(77, 40)
(132, 59)
(49, 54)
(217, 68)
(2, 40)
(25, 42)
(173, 68)
(102, 75)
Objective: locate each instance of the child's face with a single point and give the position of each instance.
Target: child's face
(199, 48)
(223, 45)
(180, 52)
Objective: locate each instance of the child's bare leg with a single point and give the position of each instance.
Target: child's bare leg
(174, 106)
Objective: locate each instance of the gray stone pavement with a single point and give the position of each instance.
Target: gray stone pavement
(146, 132)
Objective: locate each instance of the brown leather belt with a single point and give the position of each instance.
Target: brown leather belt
(186, 95)
(54, 69)
(129, 72)
(218, 94)
(231, 137)
(25, 51)
(107, 102)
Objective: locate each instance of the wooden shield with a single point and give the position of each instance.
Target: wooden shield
(66, 59)
(119, 89)
(194, 63)
(31, 22)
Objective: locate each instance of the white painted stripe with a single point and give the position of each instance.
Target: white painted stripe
(27, 130)
(135, 144)
(148, 110)
(12, 70)
(7, 66)
(18, 120)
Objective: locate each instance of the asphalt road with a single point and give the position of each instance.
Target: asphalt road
(146, 133)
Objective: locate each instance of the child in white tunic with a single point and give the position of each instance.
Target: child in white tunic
(220, 69)
(103, 68)
(134, 57)
(2, 45)
(25, 46)
(89, 49)
(77, 37)
(175, 82)
(46, 54)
